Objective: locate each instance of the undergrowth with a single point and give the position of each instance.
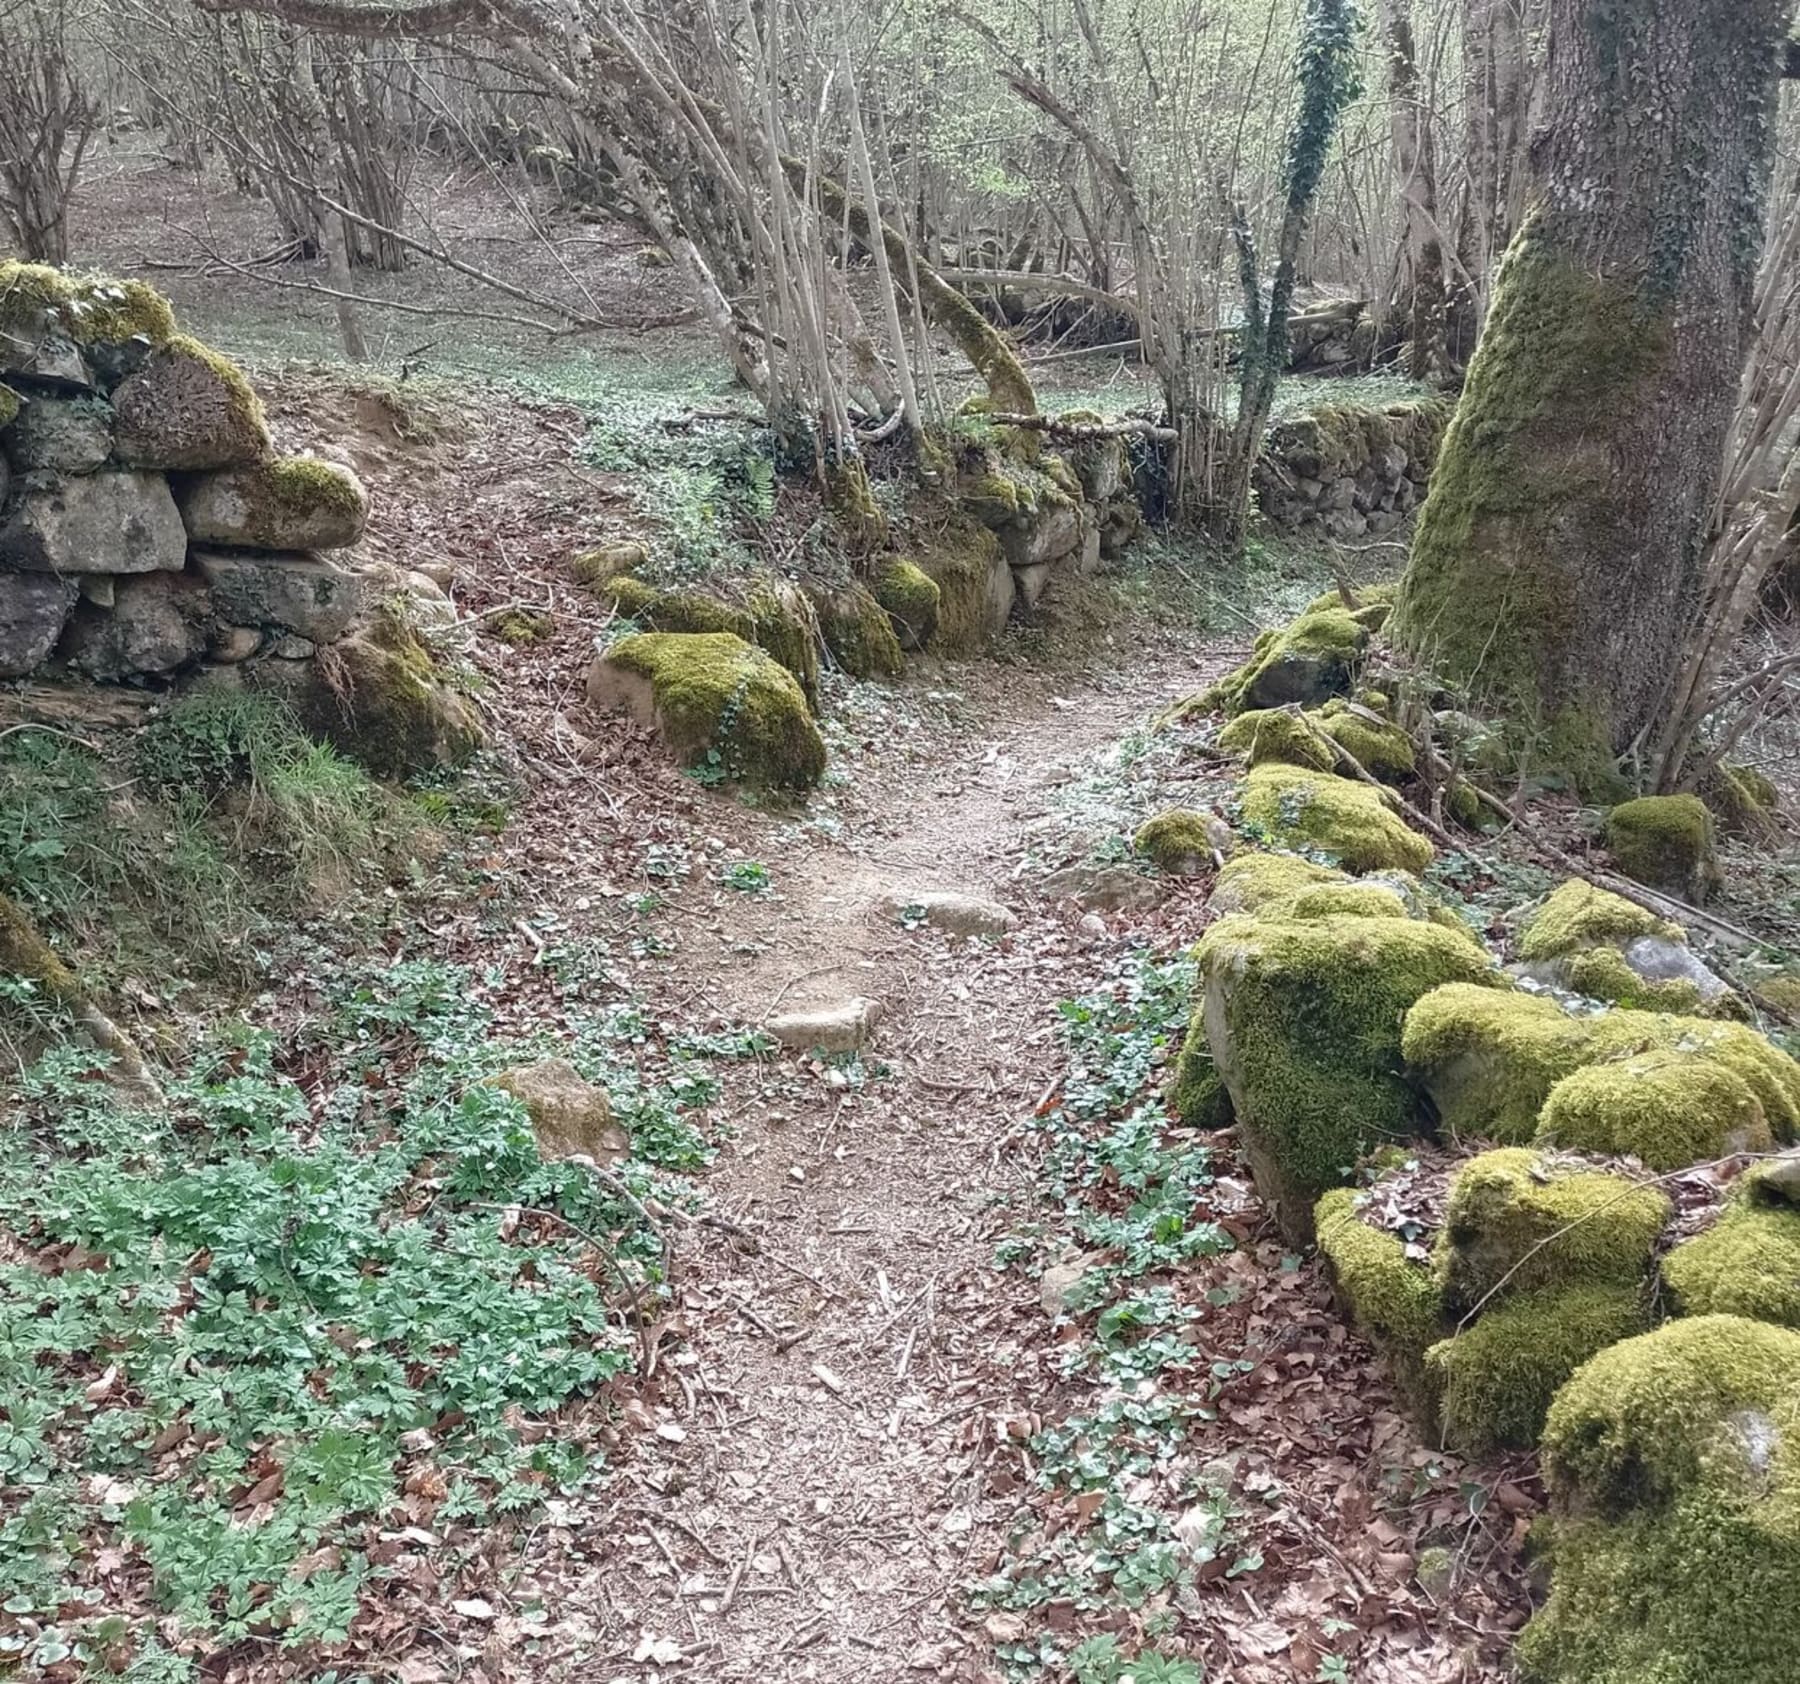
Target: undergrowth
(247, 1342)
(1125, 1190)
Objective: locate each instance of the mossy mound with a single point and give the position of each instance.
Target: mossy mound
(10, 406)
(724, 706)
(1253, 882)
(776, 617)
(1182, 841)
(1521, 1221)
(1742, 800)
(1373, 602)
(1381, 747)
(1264, 735)
(281, 503)
(1303, 1019)
(1578, 915)
(1669, 1109)
(1748, 1262)
(1309, 661)
(913, 600)
(1494, 1380)
(1490, 1058)
(1671, 1460)
(964, 560)
(1666, 843)
(1292, 807)
(857, 631)
(1395, 1300)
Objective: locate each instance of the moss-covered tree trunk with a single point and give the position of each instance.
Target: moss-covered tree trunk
(1556, 564)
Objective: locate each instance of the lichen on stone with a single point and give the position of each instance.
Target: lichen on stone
(1349, 821)
(1667, 1108)
(1495, 1378)
(1519, 1221)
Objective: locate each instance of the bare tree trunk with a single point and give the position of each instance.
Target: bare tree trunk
(1420, 296)
(1556, 567)
(1499, 90)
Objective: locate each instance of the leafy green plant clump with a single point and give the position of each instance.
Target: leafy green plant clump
(1346, 820)
(1303, 1018)
(1677, 1539)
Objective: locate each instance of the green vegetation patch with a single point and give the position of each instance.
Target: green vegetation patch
(1578, 915)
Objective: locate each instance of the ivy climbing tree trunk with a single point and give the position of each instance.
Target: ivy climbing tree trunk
(1556, 566)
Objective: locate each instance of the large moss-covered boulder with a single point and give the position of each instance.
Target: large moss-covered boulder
(1303, 1020)
(1494, 1380)
(1748, 1262)
(1665, 842)
(188, 409)
(1378, 745)
(773, 614)
(1262, 735)
(1597, 943)
(289, 503)
(1520, 1221)
(1255, 882)
(1666, 1108)
(1309, 661)
(1394, 1298)
(1489, 1058)
(1315, 811)
(721, 704)
(1672, 1462)
(857, 631)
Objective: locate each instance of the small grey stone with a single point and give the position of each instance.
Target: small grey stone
(951, 911)
(232, 644)
(292, 648)
(1105, 888)
(101, 589)
(832, 1029)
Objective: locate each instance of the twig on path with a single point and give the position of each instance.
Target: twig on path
(737, 1574)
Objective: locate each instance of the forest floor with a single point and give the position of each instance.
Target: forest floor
(972, 1364)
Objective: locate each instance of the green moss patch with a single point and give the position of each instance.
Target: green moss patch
(1677, 1549)
(1748, 1262)
(1520, 1221)
(1196, 1091)
(963, 560)
(1579, 915)
(92, 310)
(1665, 842)
(1347, 820)
(1263, 735)
(857, 631)
(1495, 1378)
(912, 599)
(776, 619)
(1382, 748)
(1303, 1019)
(1314, 658)
(1180, 842)
(1489, 1059)
(725, 707)
(1393, 1299)
(1251, 882)
(1668, 1109)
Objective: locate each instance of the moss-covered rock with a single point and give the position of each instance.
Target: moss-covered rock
(1668, 1109)
(1671, 1463)
(1495, 1378)
(605, 562)
(1264, 735)
(913, 600)
(1252, 882)
(1748, 1262)
(1309, 661)
(975, 586)
(289, 503)
(1521, 1221)
(776, 617)
(1303, 1020)
(1489, 1059)
(9, 407)
(1196, 1091)
(1183, 841)
(1394, 1299)
(1382, 748)
(1665, 842)
(857, 631)
(1742, 800)
(1296, 808)
(722, 705)
(188, 409)
(93, 312)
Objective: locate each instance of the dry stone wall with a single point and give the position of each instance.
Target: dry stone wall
(1347, 471)
(147, 524)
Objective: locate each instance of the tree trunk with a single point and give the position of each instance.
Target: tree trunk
(1421, 293)
(1557, 562)
(1499, 37)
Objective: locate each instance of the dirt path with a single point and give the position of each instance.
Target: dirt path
(818, 1489)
